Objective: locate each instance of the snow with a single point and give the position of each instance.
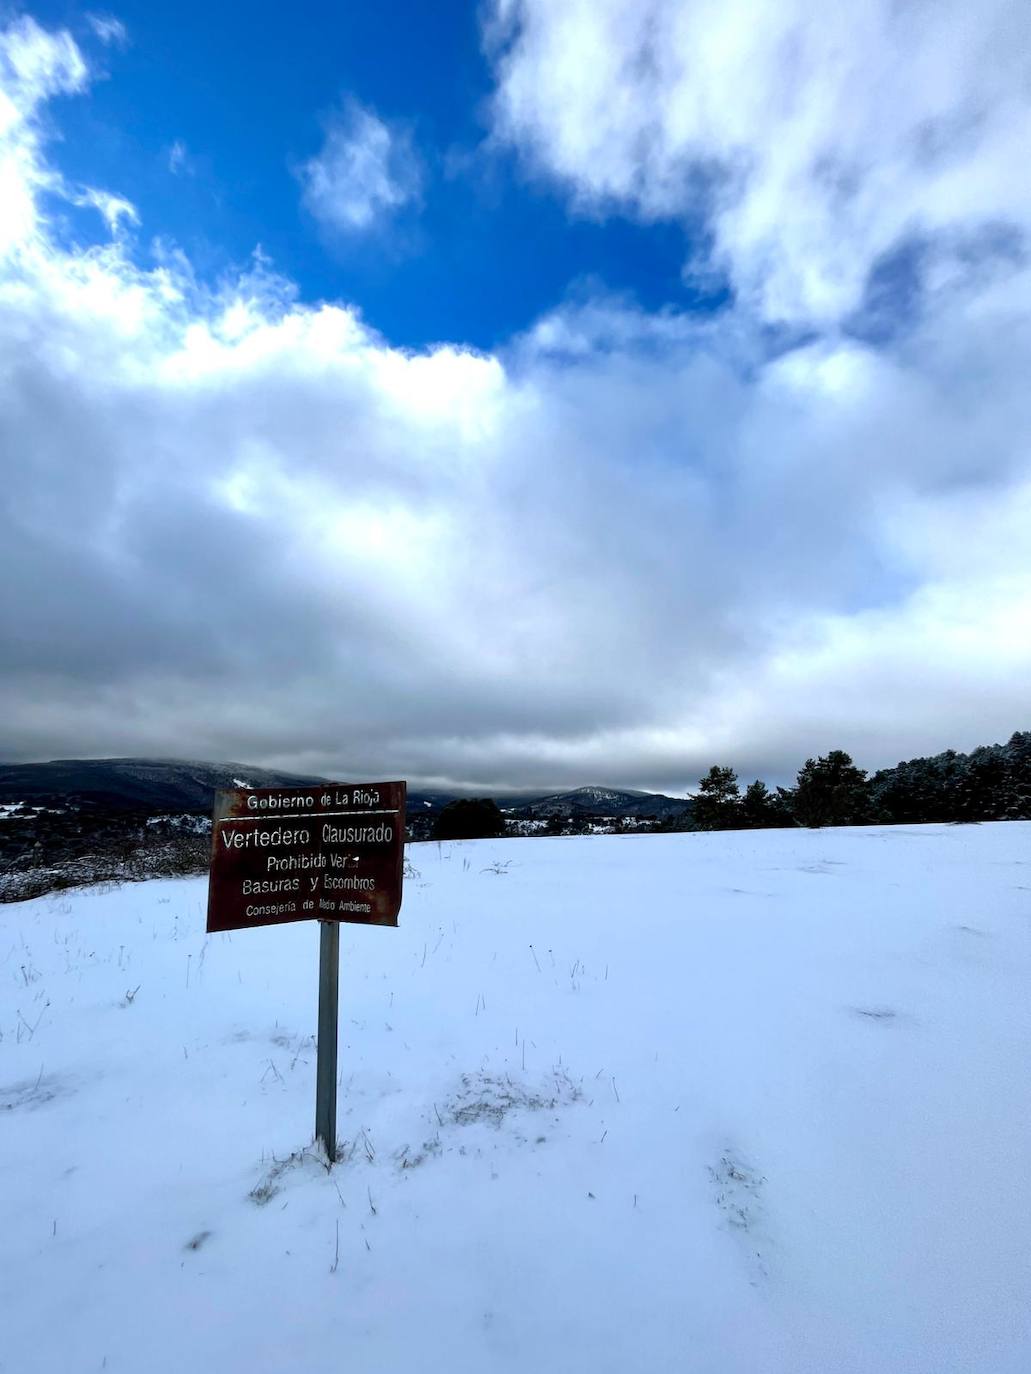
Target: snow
(730, 1103)
(182, 820)
(24, 809)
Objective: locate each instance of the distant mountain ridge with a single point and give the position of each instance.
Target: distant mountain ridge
(600, 801)
(181, 785)
(155, 785)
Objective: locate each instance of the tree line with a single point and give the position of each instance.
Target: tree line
(993, 783)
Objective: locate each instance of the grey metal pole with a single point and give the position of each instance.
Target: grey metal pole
(326, 1066)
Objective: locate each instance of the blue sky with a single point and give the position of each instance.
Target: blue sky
(526, 395)
(488, 247)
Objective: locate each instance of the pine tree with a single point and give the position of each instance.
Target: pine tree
(831, 790)
(758, 806)
(983, 795)
(469, 818)
(1018, 758)
(717, 805)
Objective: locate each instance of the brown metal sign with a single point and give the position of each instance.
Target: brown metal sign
(333, 852)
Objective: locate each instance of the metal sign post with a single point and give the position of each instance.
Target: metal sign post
(326, 1066)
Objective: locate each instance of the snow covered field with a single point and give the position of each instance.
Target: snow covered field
(751, 1102)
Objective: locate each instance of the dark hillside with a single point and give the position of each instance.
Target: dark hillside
(150, 785)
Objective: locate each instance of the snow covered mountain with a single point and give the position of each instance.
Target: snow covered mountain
(602, 801)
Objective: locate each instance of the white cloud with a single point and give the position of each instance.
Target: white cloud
(365, 171)
(179, 158)
(109, 30)
(113, 210)
(624, 548)
(810, 140)
(34, 66)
